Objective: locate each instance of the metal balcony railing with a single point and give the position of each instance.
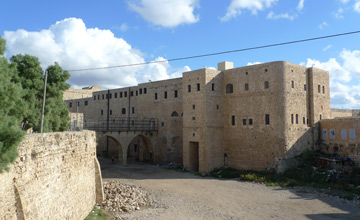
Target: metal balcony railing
(122, 124)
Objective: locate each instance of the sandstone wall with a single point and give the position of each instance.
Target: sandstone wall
(341, 136)
(56, 176)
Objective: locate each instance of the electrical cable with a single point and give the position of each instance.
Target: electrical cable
(219, 53)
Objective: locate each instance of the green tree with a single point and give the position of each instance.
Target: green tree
(30, 76)
(56, 112)
(11, 106)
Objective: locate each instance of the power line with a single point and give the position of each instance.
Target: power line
(219, 53)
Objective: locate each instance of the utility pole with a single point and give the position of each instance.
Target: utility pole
(43, 104)
(107, 122)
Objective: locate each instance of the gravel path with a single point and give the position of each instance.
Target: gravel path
(177, 195)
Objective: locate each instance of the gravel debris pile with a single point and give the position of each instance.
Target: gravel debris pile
(122, 198)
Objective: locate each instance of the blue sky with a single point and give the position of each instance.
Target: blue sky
(84, 34)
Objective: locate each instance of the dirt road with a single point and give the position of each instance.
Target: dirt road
(177, 195)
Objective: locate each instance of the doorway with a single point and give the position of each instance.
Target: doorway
(194, 156)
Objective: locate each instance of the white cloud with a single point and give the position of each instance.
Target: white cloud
(166, 13)
(339, 13)
(300, 5)
(327, 47)
(344, 1)
(236, 6)
(274, 16)
(74, 46)
(344, 78)
(254, 63)
(323, 25)
(357, 6)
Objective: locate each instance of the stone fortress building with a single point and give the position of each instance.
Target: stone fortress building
(255, 117)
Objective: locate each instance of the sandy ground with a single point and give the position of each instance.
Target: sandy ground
(178, 195)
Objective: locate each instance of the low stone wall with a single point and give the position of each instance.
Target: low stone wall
(56, 176)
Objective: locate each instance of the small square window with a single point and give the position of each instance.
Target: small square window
(193, 118)
(125, 94)
(115, 95)
(332, 133)
(94, 97)
(343, 134)
(145, 90)
(131, 93)
(267, 119)
(86, 103)
(98, 97)
(162, 124)
(120, 94)
(266, 84)
(246, 86)
(250, 121)
(70, 105)
(140, 91)
(233, 120)
(102, 112)
(352, 134)
(103, 96)
(244, 121)
(324, 133)
(136, 93)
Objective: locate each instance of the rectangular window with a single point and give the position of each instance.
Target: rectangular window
(86, 103)
(70, 105)
(131, 93)
(320, 116)
(94, 97)
(343, 134)
(304, 120)
(292, 84)
(267, 119)
(304, 87)
(198, 87)
(323, 88)
(107, 96)
(246, 86)
(125, 94)
(233, 120)
(324, 134)
(244, 121)
(352, 134)
(136, 93)
(162, 124)
(103, 96)
(110, 112)
(292, 118)
(165, 95)
(110, 95)
(332, 133)
(297, 119)
(115, 95)
(250, 121)
(102, 112)
(145, 90)
(175, 93)
(120, 94)
(193, 106)
(193, 118)
(189, 88)
(155, 95)
(212, 86)
(78, 103)
(133, 110)
(98, 97)
(266, 84)
(140, 91)
(319, 88)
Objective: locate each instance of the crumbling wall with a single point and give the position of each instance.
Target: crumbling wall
(55, 177)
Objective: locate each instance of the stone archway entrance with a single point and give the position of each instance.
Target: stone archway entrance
(140, 149)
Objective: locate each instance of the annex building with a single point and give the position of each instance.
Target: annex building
(254, 117)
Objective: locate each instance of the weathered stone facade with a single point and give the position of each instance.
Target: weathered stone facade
(341, 136)
(252, 117)
(56, 176)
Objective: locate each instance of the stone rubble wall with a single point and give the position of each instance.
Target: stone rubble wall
(55, 177)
